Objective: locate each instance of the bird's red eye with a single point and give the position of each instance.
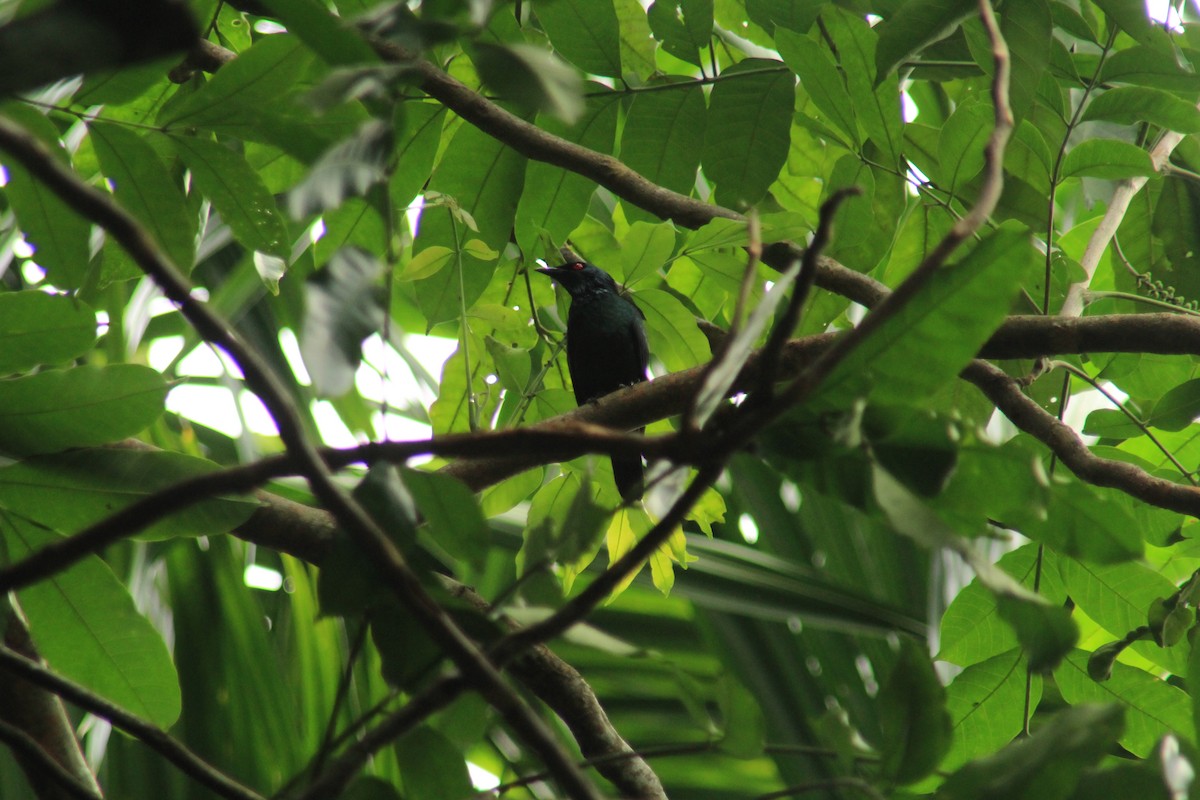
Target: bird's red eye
(577, 265)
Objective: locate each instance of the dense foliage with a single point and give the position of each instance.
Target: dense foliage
(899, 562)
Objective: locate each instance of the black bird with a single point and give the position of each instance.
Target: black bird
(606, 347)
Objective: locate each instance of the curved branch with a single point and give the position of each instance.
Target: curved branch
(607, 171)
(1005, 392)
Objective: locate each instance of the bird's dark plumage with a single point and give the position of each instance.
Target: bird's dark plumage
(606, 347)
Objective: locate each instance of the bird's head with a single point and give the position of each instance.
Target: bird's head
(580, 278)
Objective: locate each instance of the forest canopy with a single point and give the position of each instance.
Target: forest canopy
(920, 287)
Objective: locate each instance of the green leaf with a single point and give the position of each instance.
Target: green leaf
(78, 407)
(432, 767)
(942, 328)
(663, 138)
(914, 723)
(70, 491)
(986, 702)
(348, 169)
(1083, 522)
(1046, 764)
(1152, 706)
(1153, 67)
(1026, 26)
(341, 310)
(1109, 423)
(349, 583)
(745, 728)
(1118, 597)
(554, 200)
(85, 626)
(644, 251)
(1130, 105)
(1106, 158)
(450, 508)
(255, 78)
(1132, 18)
(484, 178)
(750, 118)
(876, 105)
(40, 328)
(637, 44)
(918, 448)
(329, 37)
(1046, 633)
(684, 27)
(820, 78)
(912, 27)
(145, 188)
(585, 33)
(60, 236)
(671, 329)
(961, 144)
(531, 77)
(426, 263)
(417, 140)
(564, 526)
(972, 630)
(238, 193)
(1178, 408)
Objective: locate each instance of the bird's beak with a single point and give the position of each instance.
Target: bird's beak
(551, 271)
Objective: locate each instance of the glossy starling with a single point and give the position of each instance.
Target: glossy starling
(606, 347)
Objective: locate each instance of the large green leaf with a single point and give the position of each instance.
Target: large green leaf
(1152, 706)
(683, 26)
(532, 77)
(39, 328)
(69, 491)
(671, 329)
(876, 105)
(453, 514)
(256, 77)
(820, 78)
(986, 702)
(1106, 158)
(940, 329)
(85, 625)
(59, 235)
(78, 407)
(237, 192)
(554, 200)
(433, 768)
(585, 33)
(915, 722)
(663, 138)
(750, 118)
(913, 26)
(1119, 598)
(1047, 764)
(147, 191)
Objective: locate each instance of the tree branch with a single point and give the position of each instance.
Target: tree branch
(99, 208)
(152, 736)
(47, 750)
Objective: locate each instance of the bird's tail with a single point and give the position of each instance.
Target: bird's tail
(629, 475)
